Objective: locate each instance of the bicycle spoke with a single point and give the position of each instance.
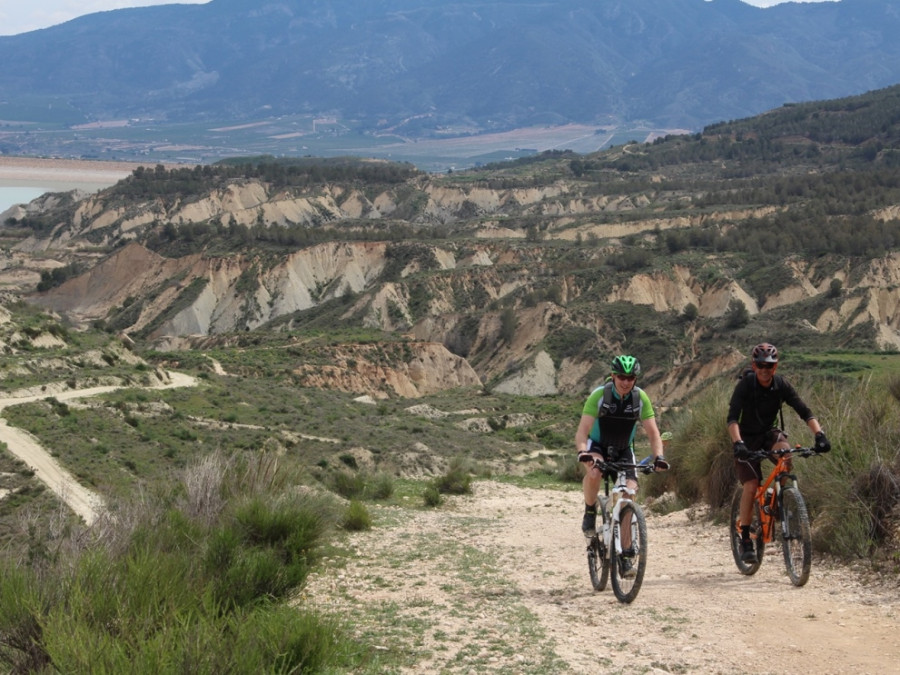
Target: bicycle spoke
(737, 549)
(598, 558)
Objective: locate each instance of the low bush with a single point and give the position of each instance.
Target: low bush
(356, 517)
(163, 588)
(457, 480)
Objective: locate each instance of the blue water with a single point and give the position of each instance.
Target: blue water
(19, 195)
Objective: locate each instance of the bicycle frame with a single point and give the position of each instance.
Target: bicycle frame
(618, 498)
(768, 502)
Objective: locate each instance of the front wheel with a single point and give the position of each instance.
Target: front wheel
(796, 538)
(756, 534)
(598, 557)
(627, 573)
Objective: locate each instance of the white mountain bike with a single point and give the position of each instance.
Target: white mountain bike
(617, 512)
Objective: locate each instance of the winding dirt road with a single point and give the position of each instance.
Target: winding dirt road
(26, 447)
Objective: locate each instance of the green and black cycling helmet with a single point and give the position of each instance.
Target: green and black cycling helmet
(764, 353)
(625, 365)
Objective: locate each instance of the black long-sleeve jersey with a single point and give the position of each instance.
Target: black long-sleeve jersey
(755, 408)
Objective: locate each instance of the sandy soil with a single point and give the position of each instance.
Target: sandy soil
(498, 582)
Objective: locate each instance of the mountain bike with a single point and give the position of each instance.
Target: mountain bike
(615, 512)
(777, 502)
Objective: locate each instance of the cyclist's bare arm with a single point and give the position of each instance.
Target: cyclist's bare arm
(582, 436)
(652, 431)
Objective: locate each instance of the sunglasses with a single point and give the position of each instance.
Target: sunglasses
(764, 365)
(626, 378)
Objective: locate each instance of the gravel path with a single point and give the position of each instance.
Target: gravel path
(498, 582)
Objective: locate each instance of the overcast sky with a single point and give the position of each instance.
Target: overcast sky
(20, 16)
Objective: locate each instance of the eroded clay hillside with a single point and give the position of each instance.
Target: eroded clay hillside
(456, 295)
(524, 276)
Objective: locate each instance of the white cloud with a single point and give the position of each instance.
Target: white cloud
(21, 16)
(770, 3)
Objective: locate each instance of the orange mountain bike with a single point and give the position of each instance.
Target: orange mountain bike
(778, 502)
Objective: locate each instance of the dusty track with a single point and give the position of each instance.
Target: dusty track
(498, 582)
(26, 447)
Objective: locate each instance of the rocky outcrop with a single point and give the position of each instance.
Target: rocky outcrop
(408, 369)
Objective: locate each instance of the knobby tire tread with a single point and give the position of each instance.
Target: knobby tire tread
(626, 590)
(598, 558)
(796, 536)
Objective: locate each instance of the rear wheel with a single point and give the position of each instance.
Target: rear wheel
(796, 538)
(737, 548)
(626, 583)
(598, 559)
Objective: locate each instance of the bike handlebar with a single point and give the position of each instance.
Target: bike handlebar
(796, 450)
(646, 465)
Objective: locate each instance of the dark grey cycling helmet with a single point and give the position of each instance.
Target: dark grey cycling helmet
(764, 353)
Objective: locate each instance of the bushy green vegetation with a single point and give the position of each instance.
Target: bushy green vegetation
(193, 581)
(300, 172)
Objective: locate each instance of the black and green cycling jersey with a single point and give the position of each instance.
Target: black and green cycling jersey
(617, 425)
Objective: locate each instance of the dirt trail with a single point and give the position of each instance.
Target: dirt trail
(498, 582)
(26, 447)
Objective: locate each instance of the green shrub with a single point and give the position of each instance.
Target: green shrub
(186, 589)
(347, 484)
(357, 517)
(456, 481)
(703, 469)
(432, 496)
(852, 491)
(568, 468)
(380, 486)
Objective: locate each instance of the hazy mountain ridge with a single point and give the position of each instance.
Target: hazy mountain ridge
(418, 69)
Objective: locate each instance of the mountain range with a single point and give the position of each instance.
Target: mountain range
(247, 76)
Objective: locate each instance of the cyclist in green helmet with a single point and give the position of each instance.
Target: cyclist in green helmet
(609, 421)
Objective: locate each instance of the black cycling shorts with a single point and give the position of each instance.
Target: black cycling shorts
(752, 469)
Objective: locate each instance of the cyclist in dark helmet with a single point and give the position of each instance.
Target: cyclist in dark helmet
(753, 416)
(609, 421)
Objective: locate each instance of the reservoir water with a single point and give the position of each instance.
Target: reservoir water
(23, 179)
(19, 195)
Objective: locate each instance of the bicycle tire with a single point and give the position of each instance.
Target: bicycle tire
(737, 549)
(796, 538)
(598, 557)
(626, 589)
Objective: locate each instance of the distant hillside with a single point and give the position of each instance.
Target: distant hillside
(175, 80)
(523, 276)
